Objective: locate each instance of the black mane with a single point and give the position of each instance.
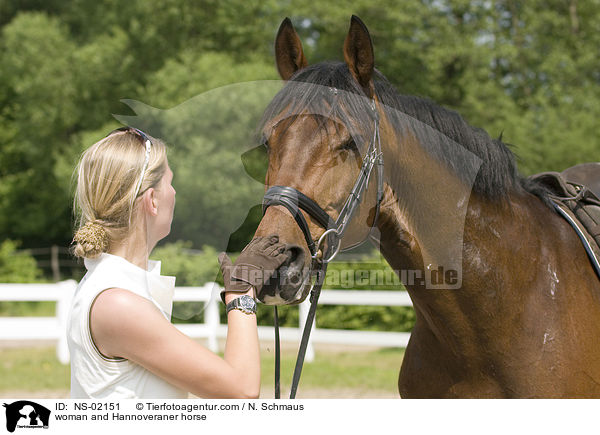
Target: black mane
(496, 176)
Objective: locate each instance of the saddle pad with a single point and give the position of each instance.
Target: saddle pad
(580, 207)
(590, 246)
(586, 174)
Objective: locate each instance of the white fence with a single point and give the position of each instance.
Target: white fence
(54, 328)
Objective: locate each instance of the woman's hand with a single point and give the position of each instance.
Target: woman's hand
(253, 268)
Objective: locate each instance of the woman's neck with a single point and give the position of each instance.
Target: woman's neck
(135, 248)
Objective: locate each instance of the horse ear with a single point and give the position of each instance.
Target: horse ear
(358, 54)
(289, 55)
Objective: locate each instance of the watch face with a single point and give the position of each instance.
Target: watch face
(244, 303)
(247, 303)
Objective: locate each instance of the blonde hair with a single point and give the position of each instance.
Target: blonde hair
(107, 176)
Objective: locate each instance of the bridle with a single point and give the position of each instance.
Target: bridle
(296, 202)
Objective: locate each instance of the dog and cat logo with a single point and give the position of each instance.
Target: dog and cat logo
(26, 414)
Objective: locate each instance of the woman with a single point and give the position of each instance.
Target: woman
(121, 341)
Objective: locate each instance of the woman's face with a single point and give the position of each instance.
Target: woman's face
(165, 203)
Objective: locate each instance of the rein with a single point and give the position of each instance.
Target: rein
(296, 202)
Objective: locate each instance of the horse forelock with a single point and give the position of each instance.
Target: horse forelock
(325, 91)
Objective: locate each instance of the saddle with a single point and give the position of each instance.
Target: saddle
(575, 194)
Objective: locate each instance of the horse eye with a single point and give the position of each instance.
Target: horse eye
(349, 146)
(265, 143)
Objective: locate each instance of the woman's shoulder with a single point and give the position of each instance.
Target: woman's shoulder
(120, 318)
(119, 304)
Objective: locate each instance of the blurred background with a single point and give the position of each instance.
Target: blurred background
(526, 70)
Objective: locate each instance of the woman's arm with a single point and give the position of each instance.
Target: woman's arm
(129, 326)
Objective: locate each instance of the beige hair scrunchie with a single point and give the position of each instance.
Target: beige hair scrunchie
(91, 239)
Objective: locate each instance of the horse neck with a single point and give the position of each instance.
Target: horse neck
(432, 227)
(424, 208)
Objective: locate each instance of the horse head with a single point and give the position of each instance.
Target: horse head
(319, 131)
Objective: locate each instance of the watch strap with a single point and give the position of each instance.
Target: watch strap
(245, 304)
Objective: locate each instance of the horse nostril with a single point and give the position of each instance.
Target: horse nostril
(296, 256)
(295, 264)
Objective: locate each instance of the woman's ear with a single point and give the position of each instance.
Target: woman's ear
(150, 201)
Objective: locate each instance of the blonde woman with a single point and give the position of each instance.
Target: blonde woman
(120, 337)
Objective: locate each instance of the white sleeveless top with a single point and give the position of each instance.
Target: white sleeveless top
(92, 374)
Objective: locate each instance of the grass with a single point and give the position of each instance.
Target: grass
(36, 370)
(29, 309)
(373, 370)
(32, 369)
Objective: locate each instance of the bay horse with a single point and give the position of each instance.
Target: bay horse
(519, 316)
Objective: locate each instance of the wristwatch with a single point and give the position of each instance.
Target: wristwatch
(246, 304)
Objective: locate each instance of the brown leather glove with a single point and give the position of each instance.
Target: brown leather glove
(254, 267)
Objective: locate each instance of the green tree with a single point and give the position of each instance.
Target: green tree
(190, 267)
(527, 69)
(38, 110)
(16, 266)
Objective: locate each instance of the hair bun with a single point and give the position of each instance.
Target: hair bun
(91, 239)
